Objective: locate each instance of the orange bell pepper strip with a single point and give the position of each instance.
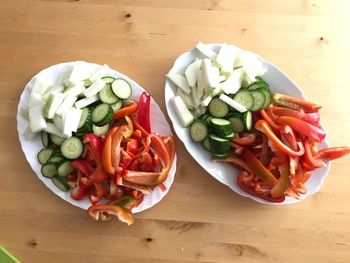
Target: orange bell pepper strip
(257, 168)
(281, 186)
(234, 161)
(264, 127)
(247, 140)
(107, 152)
(294, 103)
(303, 127)
(332, 153)
(310, 161)
(127, 110)
(152, 178)
(105, 212)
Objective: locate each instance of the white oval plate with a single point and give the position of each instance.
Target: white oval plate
(33, 146)
(222, 172)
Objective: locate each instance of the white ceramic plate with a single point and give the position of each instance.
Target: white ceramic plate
(222, 172)
(33, 146)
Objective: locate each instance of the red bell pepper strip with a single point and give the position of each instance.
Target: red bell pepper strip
(98, 193)
(312, 117)
(246, 140)
(107, 152)
(293, 165)
(99, 175)
(288, 137)
(125, 158)
(276, 161)
(332, 153)
(83, 166)
(234, 161)
(294, 103)
(84, 182)
(105, 212)
(145, 162)
(137, 125)
(156, 160)
(313, 147)
(96, 146)
(269, 120)
(310, 161)
(303, 127)
(264, 127)
(114, 192)
(153, 178)
(132, 146)
(257, 168)
(250, 188)
(137, 135)
(120, 181)
(78, 193)
(170, 144)
(143, 111)
(118, 135)
(127, 110)
(282, 184)
(162, 187)
(265, 151)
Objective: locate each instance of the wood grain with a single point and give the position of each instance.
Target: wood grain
(200, 220)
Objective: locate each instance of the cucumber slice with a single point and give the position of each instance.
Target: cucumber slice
(244, 98)
(198, 131)
(218, 108)
(85, 120)
(87, 82)
(219, 145)
(259, 100)
(254, 86)
(236, 123)
(206, 144)
(49, 169)
(106, 95)
(229, 136)
(108, 80)
(44, 155)
(121, 88)
(56, 140)
(45, 139)
(72, 148)
(64, 168)
(248, 120)
(61, 183)
(56, 152)
(267, 94)
(263, 83)
(55, 159)
(220, 127)
(102, 114)
(100, 130)
(117, 106)
(221, 155)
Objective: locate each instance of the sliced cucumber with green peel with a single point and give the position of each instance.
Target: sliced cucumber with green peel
(220, 127)
(229, 136)
(61, 183)
(267, 94)
(64, 168)
(44, 155)
(108, 80)
(72, 148)
(117, 106)
(56, 153)
(206, 144)
(198, 131)
(106, 95)
(100, 130)
(56, 140)
(49, 169)
(221, 155)
(248, 120)
(219, 145)
(218, 108)
(236, 123)
(259, 100)
(85, 120)
(121, 88)
(55, 159)
(244, 98)
(102, 114)
(45, 140)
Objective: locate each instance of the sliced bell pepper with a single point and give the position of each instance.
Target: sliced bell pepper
(246, 140)
(132, 146)
(288, 137)
(120, 181)
(257, 168)
(114, 191)
(310, 161)
(264, 127)
(269, 120)
(127, 110)
(145, 162)
(105, 212)
(265, 151)
(83, 166)
(99, 175)
(293, 165)
(250, 187)
(143, 111)
(152, 178)
(234, 161)
(170, 144)
(78, 193)
(302, 127)
(84, 182)
(332, 153)
(276, 161)
(137, 135)
(282, 184)
(125, 158)
(96, 145)
(162, 187)
(294, 103)
(312, 117)
(98, 193)
(137, 125)
(156, 160)
(126, 201)
(118, 135)
(107, 152)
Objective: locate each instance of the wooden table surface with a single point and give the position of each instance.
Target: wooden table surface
(200, 220)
